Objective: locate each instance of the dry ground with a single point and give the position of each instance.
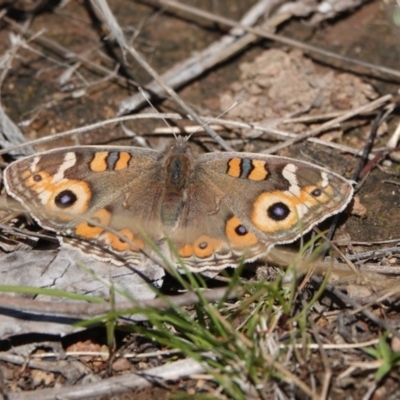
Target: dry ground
(45, 91)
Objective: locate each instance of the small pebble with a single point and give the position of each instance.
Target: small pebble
(121, 364)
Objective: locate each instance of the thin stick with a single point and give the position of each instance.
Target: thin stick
(367, 147)
(352, 113)
(81, 310)
(374, 253)
(89, 127)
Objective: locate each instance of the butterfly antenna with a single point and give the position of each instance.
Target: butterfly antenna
(237, 102)
(144, 94)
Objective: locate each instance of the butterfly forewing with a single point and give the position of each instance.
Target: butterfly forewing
(276, 198)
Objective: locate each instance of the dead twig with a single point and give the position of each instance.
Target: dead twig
(375, 242)
(374, 253)
(80, 310)
(367, 147)
(87, 128)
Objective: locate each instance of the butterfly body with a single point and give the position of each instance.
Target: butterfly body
(216, 209)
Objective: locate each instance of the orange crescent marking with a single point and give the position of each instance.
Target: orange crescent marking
(119, 245)
(103, 216)
(186, 251)
(87, 231)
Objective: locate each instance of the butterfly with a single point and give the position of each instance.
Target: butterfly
(214, 210)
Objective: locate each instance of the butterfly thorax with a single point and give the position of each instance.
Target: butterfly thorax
(178, 169)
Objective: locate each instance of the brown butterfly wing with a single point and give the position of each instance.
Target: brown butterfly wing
(92, 195)
(242, 204)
